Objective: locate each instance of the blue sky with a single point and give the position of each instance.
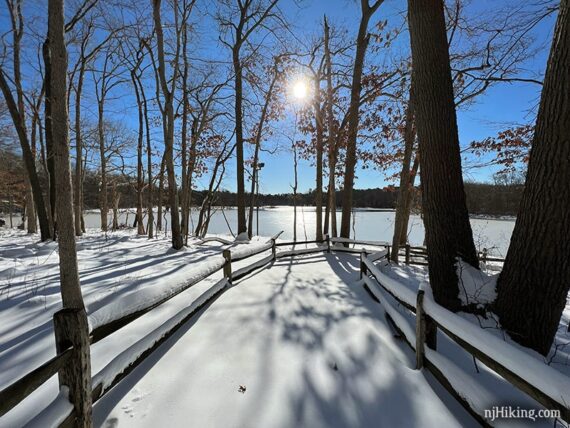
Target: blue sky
(501, 105)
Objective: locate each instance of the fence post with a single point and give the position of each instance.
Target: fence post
(228, 265)
(273, 252)
(407, 254)
(363, 269)
(420, 329)
(72, 330)
(328, 243)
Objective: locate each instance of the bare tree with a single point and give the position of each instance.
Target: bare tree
(80, 68)
(243, 21)
(167, 88)
(105, 80)
(362, 41)
(17, 112)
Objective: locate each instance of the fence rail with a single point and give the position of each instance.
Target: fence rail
(429, 320)
(69, 360)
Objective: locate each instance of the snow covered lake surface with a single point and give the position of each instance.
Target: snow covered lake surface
(491, 233)
(298, 344)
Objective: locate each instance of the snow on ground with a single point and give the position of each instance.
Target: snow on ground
(113, 268)
(308, 345)
(298, 344)
(303, 339)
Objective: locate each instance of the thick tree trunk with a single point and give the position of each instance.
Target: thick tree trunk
(69, 275)
(448, 231)
(405, 184)
(534, 283)
(353, 121)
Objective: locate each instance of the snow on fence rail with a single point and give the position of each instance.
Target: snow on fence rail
(539, 381)
(69, 362)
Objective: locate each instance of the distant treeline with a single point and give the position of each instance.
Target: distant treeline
(482, 198)
(498, 198)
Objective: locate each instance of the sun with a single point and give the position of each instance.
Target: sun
(300, 90)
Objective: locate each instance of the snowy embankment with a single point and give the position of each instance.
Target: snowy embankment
(119, 272)
(475, 382)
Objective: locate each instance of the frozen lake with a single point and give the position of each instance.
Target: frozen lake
(493, 234)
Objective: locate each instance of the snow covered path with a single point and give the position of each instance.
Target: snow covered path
(307, 344)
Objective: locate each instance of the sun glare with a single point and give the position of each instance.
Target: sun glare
(300, 90)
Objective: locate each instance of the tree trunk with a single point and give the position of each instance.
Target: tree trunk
(140, 139)
(534, 283)
(295, 191)
(78, 201)
(116, 199)
(185, 193)
(69, 275)
(45, 228)
(150, 202)
(405, 184)
(408, 206)
(240, 170)
(48, 119)
(332, 133)
(319, 163)
(168, 127)
(361, 45)
(448, 231)
(103, 199)
(160, 196)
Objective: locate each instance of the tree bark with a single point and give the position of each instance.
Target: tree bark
(356, 87)
(405, 182)
(240, 170)
(45, 228)
(408, 206)
(48, 119)
(78, 201)
(79, 383)
(140, 139)
(168, 124)
(160, 195)
(103, 199)
(448, 231)
(332, 134)
(319, 161)
(534, 283)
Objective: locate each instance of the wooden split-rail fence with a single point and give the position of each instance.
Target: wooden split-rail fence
(70, 362)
